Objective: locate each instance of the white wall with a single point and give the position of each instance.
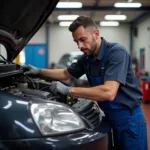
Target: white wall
(143, 41)
(61, 40)
(3, 51)
(119, 35)
(39, 37)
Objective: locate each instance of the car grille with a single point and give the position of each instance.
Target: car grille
(89, 111)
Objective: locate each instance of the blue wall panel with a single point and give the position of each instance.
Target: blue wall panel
(36, 55)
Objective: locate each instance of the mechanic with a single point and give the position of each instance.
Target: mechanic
(113, 82)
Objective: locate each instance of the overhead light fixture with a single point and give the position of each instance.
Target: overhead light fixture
(69, 5)
(128, 5)
(65, 23)
(109, 23)
(115, 17)
(67, 17)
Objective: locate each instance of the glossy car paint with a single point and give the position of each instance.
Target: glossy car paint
(17, 122)
(19, 131)
(77, 141)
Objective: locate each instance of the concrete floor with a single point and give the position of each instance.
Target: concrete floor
(146, 110)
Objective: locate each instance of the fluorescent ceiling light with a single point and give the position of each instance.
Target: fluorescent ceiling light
(65, 23)
(115, 17)
(69, 5)
(131, 5)
(67, 17)
(109, 23)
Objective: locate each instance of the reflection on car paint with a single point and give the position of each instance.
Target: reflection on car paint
(23, 126)
(8, 105)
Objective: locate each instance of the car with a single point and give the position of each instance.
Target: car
(65, 61)
(68, 58)
(32, 116)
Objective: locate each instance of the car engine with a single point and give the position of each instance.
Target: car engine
(13, 81)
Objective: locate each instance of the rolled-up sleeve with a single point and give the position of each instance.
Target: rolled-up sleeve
(76, 69)
(117, 66)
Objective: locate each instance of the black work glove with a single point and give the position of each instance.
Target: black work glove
(58, 87)
(29, 69)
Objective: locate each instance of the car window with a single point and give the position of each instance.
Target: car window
(64, 59)
(75, 58)
(68, 59)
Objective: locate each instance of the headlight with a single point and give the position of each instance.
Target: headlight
(54, 118)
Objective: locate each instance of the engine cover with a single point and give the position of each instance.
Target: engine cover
(4, 68)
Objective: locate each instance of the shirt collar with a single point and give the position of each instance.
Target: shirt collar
(102, 49)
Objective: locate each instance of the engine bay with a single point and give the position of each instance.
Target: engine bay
(37, 88)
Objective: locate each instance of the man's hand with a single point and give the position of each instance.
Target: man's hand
(29, 69)
(58, 87)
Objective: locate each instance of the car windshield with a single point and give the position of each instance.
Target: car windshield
(68, 59)
(64, 59)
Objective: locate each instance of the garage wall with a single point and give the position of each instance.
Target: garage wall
(61, 40)
(3, 51)
(119, 34)
(142, 40)
(39, 37)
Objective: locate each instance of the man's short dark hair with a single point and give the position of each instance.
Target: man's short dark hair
(82, 21)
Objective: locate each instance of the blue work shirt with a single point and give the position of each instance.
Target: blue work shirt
(118, 67)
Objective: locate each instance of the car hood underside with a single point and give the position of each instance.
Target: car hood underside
(19, 21)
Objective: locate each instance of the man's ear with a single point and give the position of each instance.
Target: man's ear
(96, 33)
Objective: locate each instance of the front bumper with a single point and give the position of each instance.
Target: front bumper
(84, 140)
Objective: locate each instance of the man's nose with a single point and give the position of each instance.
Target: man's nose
(80, 45)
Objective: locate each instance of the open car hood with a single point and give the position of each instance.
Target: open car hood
(20, 20)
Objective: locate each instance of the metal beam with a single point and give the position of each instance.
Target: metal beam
(95, 5)
(131, 40)
(143, 15)
(100, 8)
(47, 43)
(132, 23)
(97, 2)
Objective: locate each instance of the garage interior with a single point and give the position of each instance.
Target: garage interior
(132, 30)
(133, 33)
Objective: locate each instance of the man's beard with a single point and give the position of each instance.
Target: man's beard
(93, 47)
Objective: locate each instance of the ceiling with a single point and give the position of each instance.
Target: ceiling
(97, 9)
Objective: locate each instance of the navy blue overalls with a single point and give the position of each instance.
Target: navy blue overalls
(125, 123)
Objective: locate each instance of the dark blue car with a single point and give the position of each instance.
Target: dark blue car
(31, 116)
